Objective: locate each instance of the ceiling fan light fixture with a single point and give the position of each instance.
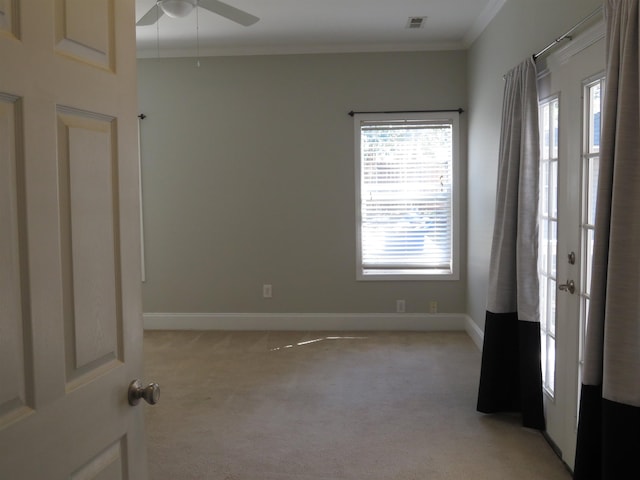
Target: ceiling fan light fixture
(177, 8)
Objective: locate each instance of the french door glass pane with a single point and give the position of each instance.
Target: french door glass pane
(543, 355)
(551, 299)
(594, 116)
(555, 110)
(551, 363)
(544, 314)
(545, 131)
(553, 188)
(592, 128)
(588, 267)
(548, 237)
(553, 247)
(544, 189)
(544, 251)
(592, 188)
(585, 312)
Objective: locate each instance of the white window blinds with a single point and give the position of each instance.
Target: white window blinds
(405, 200)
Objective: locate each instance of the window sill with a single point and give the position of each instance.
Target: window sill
(406, 275)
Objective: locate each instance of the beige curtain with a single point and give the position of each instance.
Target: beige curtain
(511, 376)
(609, 423)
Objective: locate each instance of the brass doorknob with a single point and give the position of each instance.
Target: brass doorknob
(150, 393)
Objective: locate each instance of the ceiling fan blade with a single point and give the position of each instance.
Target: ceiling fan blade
(227, 11)
(151, 17)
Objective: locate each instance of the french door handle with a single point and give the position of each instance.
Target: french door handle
(570, 287)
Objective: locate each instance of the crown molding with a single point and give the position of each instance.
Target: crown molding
(483, 21)
(153, 52)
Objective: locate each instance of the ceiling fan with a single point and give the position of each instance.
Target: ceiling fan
(181, 8)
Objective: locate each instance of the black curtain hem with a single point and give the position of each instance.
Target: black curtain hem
(511, 375)
(608, 438)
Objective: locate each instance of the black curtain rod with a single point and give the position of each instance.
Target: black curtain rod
(567, 36)
(459, 110)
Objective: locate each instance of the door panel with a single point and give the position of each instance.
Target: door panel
(90, 246)
(16, 395)
(107, 465)
(70, 310)
(85, 31)
(8, 18)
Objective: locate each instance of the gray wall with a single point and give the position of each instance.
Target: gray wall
(248, 178)
(521, 28)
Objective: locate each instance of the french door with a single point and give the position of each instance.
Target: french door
(570, 134)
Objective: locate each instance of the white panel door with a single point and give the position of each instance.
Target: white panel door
(70, 309)
(564, 259)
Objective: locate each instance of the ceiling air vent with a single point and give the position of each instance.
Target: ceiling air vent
(416, 22)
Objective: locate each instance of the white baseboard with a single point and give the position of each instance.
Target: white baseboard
(308, 321)
(474, 331)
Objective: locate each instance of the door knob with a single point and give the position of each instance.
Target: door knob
(570, 287)
(150, 393)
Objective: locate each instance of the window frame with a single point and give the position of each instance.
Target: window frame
(399, 274)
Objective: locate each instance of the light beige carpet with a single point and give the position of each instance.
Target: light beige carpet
(330, 406)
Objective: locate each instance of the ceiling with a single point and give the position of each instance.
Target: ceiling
(318, 26)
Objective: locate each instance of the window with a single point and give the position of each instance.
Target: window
(406, 196)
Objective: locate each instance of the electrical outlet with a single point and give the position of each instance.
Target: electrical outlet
(400, 306)
(267, 291)
(433, 306)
